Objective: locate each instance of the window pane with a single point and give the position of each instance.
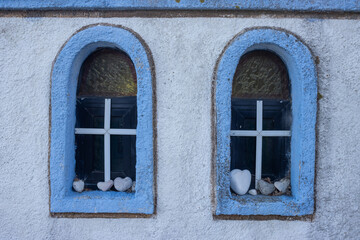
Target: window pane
(261, 75)
(90, 112)
(243, 114)
(243, 155)
(276, 115)
(123, 113)
(107, 73)
(123, 156)
(275, 157)
(89, 158)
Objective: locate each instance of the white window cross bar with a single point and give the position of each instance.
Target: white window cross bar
(106, 131)
(101, 131)
(259, 133)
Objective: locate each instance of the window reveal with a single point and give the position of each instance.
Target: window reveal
(106, 118)
(261, 117)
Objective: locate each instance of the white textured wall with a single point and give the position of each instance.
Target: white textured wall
(185, 51)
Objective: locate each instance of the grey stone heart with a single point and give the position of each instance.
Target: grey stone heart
(265, 187)
(282, 185)
(78, 185)
(105, 186)
(122, 184)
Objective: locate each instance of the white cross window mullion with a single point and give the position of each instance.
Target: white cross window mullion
(259, 128)
(107, 132)
(259, 133)
(107, 118)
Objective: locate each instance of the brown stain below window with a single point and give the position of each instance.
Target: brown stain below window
(107, 72)
(261, 75)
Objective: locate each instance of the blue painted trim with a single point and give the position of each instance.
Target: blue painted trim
(270, 5)
(63, 100)
(302, 72)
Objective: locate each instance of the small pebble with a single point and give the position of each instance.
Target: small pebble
(253, 192)
(133, 186)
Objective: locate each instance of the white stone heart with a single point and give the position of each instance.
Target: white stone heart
(282, 185)
(265, 187)
(240, 181)
(105, 186)
(78, 185)
(253, 192)
(122, 184)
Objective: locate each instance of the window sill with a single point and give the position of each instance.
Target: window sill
(103, 202)
(263, 205)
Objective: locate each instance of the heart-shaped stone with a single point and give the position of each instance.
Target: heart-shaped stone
(265, 187)
(282, 185)
(78, 185)
(240, 181)
(122, 184)
(105, 186)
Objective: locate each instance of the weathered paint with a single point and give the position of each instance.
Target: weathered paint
(63, 99)
(272, 5)
(302, 73)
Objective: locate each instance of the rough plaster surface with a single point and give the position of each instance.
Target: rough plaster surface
(185, 52)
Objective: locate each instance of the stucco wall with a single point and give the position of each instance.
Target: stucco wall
(184, 51)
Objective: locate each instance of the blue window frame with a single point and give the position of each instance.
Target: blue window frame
(63, 101)
(302, 74)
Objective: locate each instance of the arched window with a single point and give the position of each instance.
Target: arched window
(106, 118)
(265, 113)
(101, 80)
(261, 117)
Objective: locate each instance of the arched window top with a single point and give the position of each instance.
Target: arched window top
(302, 74)
(261, 74)
(64, 95)
(107, 72)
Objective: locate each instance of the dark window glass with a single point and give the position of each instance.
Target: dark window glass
(276, 115)
(123, 148)
(261, 75)
(89, 158)
(243, 114)
(276, 157)
(123, 113)
(106, 74)
(243, 155)
(90, 112)
(123, 156)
